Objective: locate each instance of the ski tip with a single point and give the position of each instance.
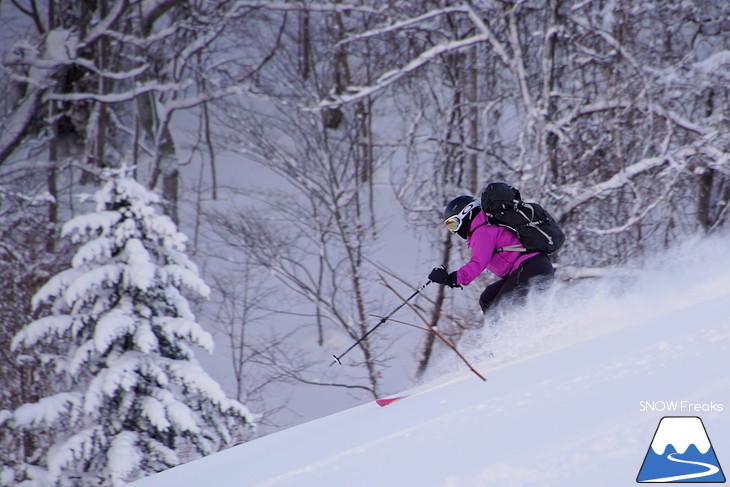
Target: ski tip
(337, 360)
(390, 400)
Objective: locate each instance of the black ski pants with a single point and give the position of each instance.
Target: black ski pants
(535, 271)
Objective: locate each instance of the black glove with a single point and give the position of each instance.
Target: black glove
(441, 276)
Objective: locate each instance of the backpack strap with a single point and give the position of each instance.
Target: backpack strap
(507, 248)
(511, 248)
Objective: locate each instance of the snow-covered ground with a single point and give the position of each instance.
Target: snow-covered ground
(577, 385)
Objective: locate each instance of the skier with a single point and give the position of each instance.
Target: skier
(495, 248)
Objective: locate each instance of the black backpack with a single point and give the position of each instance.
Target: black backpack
(536, 229)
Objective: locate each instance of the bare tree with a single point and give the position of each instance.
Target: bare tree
(241, 310)
(319, 233)
(586, 106)
(592, 112)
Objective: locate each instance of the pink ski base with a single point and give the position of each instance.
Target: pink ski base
(390, 400)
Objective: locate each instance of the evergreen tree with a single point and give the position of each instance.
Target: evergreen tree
(131, 398)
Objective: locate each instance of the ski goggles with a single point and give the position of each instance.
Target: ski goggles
(453, 223)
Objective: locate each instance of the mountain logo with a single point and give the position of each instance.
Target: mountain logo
(680, 452)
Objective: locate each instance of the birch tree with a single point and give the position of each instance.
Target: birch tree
(319, 230)
(587, 107)
(591, 112)
(96, 81)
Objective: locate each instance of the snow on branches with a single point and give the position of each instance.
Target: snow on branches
(130, 392)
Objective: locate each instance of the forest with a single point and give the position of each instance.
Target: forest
(175, 173)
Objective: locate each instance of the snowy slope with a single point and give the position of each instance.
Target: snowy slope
(565, 404)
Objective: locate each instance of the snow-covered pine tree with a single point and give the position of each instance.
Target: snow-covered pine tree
(131, 398)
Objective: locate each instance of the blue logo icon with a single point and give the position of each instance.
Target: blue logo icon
(681, 452)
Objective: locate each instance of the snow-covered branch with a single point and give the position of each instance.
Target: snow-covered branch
(397, 26)
(307, 6)
(152, 86)
(354, 93)
(579, 193)
(105, 24)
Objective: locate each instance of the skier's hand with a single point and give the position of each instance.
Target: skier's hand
(442, 276)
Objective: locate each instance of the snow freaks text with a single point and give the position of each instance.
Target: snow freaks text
(680, 407)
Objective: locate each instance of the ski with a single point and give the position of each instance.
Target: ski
(390, 400)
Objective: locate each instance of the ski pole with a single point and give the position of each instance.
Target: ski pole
(382, 320)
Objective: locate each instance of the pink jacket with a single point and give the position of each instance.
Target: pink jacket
(483, 241)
